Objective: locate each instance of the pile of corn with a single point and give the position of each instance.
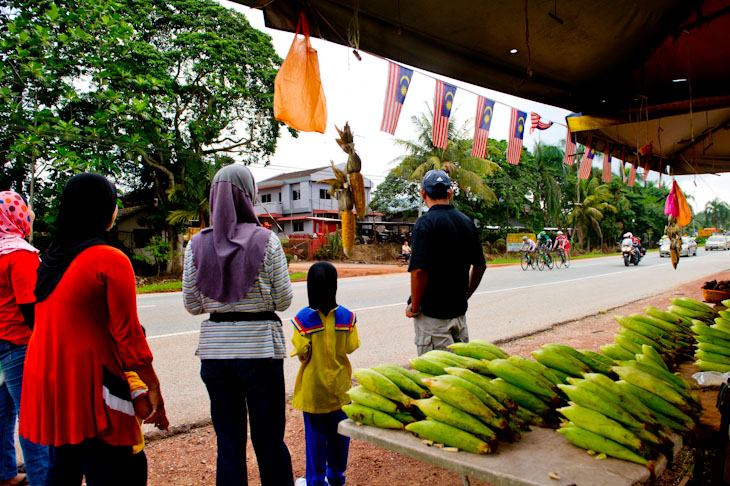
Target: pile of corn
(624, 402)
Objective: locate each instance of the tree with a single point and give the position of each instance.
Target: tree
(395, 194)
(548, 170)
(466, 171)
(587, 215)
(148, 91)
(718, 212)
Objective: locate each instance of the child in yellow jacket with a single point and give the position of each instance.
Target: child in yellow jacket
(325, 334)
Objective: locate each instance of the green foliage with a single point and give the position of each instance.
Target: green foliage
(160, 287)
(395, 194)
(149, 92)
(157, 252)
(331, 247)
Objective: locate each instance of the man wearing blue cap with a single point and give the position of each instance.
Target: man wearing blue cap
(447, 264)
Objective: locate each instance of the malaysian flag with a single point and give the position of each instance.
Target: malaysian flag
(569, 149)
(607, 164)
(586, 164)
(399, 80)
(632, 175)
(516, 132)
(646, 170)
(485, 111)
(441, 113)
(537, 123)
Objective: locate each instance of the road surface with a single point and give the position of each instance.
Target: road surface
(510, 302)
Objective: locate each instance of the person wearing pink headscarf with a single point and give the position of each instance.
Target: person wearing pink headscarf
(18, 267)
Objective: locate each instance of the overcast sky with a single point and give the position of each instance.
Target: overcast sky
(355, 93)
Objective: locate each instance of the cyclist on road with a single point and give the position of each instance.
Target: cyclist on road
(529, 247)
(561, 244)
(544, 241)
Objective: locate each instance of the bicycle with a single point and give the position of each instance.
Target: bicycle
(564, 259)
(527, 260)
(544, 259)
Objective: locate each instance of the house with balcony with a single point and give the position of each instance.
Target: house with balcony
(302, 206)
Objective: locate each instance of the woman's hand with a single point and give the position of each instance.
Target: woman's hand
(158, 417)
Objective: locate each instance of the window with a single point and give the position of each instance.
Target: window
(296, 195)
(298, 226)
(279, 196)
(323, 194)
(265, 198)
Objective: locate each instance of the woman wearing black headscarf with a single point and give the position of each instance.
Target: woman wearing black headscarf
(87, 334)
(237, 272)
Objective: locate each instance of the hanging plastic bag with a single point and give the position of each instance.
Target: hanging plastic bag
(670, 207)
(298, 95)
(684, 216)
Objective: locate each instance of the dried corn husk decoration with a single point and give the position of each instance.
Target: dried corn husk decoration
(674, 233)
(354, 164)
(340, 188)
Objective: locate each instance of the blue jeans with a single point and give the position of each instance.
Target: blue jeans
(327, 450)
(12, 357)
(256, 386)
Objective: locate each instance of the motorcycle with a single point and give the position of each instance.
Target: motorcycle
(631, 254)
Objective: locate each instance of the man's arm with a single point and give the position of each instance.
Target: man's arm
(419, 277)
(475, 277)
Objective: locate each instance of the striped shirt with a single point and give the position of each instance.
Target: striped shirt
(248, 339)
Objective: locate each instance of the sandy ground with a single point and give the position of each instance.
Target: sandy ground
(189, 458)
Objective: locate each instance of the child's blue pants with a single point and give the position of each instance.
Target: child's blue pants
(326, 449)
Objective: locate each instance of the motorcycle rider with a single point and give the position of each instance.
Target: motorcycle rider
(635, 243)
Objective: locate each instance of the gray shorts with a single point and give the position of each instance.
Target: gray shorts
(432, 333)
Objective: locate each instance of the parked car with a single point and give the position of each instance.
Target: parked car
(717, 242)
(689, 247)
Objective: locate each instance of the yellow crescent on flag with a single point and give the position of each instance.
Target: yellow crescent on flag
(404, 89)
(487, 114)
(520, 124)
(448, 103)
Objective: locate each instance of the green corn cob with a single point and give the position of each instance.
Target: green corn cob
(629, 402)
(693, 304)
(411, 375)
(479, 392)
(473, 351)
(429, 366)
(565, 363)
(406, 385)
(599, 424)
(594, 442)
(492, 347)
(704, 365)
(714, 348)
(374, 381)
(650, 383)
(486, 385)
(616, 351)
(363, 396)
(538, 368)
(444, 412)
(527, 381)
(522, 397)
(656, 403)
(465, 400)
(652, 354)
(587, 399)
(448, 435)
(628, 344)
(370, 416)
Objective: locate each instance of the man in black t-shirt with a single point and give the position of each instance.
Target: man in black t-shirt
(446, 267)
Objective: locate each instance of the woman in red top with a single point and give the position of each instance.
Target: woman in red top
(86, 336)
(18, 266)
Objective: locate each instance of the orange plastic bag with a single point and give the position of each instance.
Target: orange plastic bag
(298, 95)
(685, 212)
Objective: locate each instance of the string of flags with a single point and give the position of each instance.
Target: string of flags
(399, 81)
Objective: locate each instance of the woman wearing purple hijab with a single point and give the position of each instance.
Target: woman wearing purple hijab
(237, 271)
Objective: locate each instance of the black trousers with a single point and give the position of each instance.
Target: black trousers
(100, 463)
(238, 387)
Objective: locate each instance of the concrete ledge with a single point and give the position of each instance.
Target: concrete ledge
(527, 462)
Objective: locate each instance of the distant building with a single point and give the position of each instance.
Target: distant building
(301, 205)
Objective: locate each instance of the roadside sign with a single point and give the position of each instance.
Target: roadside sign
(706, 232)
(514, 240)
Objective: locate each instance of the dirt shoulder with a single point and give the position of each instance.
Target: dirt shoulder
(189, 458)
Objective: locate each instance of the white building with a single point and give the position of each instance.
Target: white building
(300, 204)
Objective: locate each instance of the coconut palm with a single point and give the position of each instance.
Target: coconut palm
(466, 171)
(587, 215)
(718, 212)
(549, 169)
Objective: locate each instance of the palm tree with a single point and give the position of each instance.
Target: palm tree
(718, 212)
(548, 163)
(191, 195)
(587, 216)
(456, 160)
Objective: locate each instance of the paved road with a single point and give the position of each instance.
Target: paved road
(509, 302)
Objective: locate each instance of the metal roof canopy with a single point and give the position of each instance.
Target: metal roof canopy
(614, 60)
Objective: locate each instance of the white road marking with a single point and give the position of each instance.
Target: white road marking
(144, 306)
(402, 304)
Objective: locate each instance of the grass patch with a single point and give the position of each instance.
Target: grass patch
(160, 287)
(177, 286)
